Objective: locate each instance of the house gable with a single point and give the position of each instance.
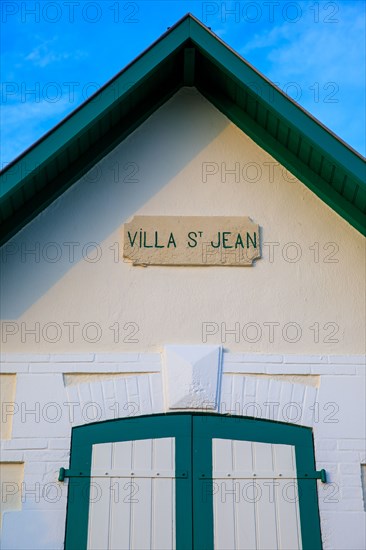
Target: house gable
(187, 55)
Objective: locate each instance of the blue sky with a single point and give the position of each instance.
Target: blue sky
(55, 54)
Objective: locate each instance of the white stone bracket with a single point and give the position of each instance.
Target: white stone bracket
(192, 377)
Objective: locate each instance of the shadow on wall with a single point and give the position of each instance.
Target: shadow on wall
(110, 193)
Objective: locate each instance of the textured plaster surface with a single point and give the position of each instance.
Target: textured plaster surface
(308, 287)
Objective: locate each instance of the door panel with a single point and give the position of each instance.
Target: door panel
(253, 508)
(135, 505)
(101, 510)
(277, 511)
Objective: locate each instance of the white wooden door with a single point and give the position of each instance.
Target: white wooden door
(255, 496)
(132, 499)
(202, 482)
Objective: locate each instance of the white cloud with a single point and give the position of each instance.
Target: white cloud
(44, 54)
(333, 50)
(23, 123)
(326, 61)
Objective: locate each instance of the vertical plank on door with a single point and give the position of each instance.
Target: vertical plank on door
(264, 501)
(99, 508)
(286, 495)
(122, 497)
(142, 509)
(225, 494)
(246, 532)
(163, 534)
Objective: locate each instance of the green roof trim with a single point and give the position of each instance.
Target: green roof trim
(188, 54)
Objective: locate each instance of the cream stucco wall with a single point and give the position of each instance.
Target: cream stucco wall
(7, 397)
(11, 477)
(305, 295)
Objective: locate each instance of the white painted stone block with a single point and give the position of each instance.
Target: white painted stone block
(144, 395)
(150, 357)
(307, 359)
(41, 411)
(116, 357)
(326, 444)
(310, 398)
(13, 368)
(225, 394)
(289, 368)
(11, 456)
(341, 407)
(33, 530)
(272, 405)
(333, 369)
(345, 531)
(24, 443)
(250, 388)
(157, 393)
(352, 444)
(192, 376)
(23, 357)
(348, 359)
(244, 368)
(237, 390)
(72, 357)
(230, 357)
(262, 396)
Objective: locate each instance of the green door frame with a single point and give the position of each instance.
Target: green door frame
(193, 433)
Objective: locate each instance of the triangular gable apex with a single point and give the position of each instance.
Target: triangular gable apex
(188, 54)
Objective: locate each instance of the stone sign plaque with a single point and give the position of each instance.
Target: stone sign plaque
(191, 240)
